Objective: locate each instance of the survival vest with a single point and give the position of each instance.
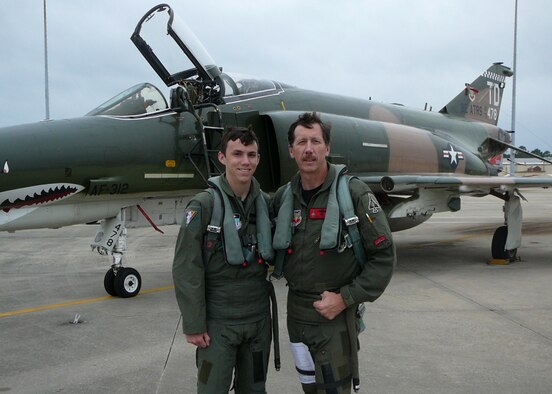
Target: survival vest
(242, 251)
(340, 208)
(237, 251)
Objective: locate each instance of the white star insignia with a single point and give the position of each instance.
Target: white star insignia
(453, 155)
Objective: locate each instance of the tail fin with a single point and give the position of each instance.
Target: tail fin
(481, 99)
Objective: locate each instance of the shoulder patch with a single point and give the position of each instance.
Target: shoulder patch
(192, 216)
(373, 204)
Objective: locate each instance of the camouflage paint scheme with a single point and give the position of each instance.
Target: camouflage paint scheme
(139, 150)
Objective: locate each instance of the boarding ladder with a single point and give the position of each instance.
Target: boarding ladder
(206, 149)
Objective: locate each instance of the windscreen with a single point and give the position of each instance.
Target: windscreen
(137, 100)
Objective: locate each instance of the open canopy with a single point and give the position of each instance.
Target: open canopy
(161, 37)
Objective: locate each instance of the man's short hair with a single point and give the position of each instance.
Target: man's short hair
(308, 120)
(246, 135)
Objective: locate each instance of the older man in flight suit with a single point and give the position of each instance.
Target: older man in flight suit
(327, 286)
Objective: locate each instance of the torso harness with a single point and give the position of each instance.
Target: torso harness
(340, 206)
(242, 251)
(237, 251)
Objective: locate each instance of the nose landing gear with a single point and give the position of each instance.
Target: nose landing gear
(119, 281)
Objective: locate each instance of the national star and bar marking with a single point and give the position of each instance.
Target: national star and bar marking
(453, 155)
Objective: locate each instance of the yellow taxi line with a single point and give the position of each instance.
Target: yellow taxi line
(76, 302)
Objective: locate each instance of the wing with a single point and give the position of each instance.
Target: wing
(410, 200)
(464, 184)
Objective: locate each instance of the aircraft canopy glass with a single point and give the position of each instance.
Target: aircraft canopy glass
(161, 37)
(236, 84)
(137, 100)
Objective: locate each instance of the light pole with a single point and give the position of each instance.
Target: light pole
(46, 89)
(513, 124)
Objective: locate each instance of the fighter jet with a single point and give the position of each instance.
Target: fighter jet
(135, 159)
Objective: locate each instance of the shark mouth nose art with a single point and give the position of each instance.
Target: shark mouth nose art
(36, 195)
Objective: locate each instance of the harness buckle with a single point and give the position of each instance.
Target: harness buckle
(214, 229)
(351, 221)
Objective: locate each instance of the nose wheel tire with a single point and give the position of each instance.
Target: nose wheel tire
(109, 283)
(127, 282)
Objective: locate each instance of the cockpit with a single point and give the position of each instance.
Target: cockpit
(237, 85)
(180, 59)
(145, 98)
(140, 99)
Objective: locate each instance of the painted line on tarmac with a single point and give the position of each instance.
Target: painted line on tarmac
(76, 302)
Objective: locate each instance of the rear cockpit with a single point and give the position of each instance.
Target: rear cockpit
(240, 87)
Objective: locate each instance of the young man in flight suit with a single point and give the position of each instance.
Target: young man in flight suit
(220, 277)
(327, 286)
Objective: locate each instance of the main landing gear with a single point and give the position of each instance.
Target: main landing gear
(498, 246)
(507, 239)
(119, 281)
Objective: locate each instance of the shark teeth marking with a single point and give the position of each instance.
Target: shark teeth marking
(36, 195)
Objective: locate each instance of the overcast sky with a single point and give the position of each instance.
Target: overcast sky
(408, 52)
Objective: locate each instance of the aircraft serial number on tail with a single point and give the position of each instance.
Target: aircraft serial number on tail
(480, 110)
(492, 113)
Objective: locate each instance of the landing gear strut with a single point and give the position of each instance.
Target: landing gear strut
(111, 237)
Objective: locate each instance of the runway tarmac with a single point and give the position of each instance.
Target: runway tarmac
(448, 322)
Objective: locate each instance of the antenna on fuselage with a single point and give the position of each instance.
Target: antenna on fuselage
(46, 89)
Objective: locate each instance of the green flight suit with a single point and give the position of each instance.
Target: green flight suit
(322, 348)
(229, 302)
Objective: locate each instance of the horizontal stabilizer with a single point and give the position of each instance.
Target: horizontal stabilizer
(506, 145)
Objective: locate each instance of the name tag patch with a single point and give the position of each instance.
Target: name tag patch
(317, 213)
